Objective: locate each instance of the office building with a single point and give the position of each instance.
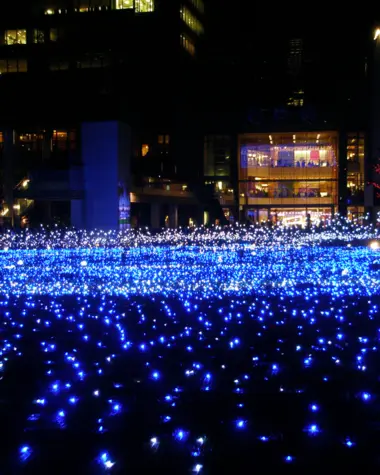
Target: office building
(67, 63)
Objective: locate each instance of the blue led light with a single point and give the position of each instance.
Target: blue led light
(124, 322)
(25, 453)
(241, 424)
(180, 435)
(104, 459)
(156, 375)
(313, 429)
(348, 443)
(366, 396)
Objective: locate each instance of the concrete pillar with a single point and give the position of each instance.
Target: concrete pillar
(105, 155)
(155, 216)
(173, 216)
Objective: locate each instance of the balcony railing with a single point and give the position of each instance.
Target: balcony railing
(289, 173)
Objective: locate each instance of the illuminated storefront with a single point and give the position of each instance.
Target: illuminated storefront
(288, 178)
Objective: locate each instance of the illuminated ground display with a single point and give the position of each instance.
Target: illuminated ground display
(236, 351)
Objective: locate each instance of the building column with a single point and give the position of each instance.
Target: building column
(155, 216)
(173, 216)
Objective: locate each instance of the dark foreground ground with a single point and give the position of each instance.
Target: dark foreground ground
(211, 386)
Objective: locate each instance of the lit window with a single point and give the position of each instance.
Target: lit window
(191, 21)
(124, 4)
(13, 66)
(15, 37)
(167, 139)
(59, 140)
(161, 139)
(38, 36)
(53, 34)
(49, 11)
(30, 142)
(144, 150)
(144, 6)
(297, 100)
(188, 44)
(82, 6)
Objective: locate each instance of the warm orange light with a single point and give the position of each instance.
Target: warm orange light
(377, 34)
(144, 149)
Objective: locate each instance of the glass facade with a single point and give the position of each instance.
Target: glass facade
(83, 6)
(38, 36)
(191, 20)
(124, 4)
(144, 6)
(217, 156)
(13, 66)
(356, 213)
(288, 176)
(355, 166)
(217, 170)
(15, 37)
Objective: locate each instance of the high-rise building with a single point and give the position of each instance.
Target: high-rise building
(64, 63)
(97, 56)
(295, 58)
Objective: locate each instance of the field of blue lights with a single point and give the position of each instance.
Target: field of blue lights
(226, 351)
